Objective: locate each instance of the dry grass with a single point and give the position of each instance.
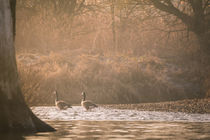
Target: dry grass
(118, 78)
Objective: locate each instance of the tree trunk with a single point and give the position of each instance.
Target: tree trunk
(204, 65)
(113, 24)
(15, 115)
(204, 43)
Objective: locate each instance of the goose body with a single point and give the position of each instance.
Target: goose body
(86, 103)
(62, 105)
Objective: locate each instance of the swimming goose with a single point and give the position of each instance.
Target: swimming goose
(87, 104)
(59, 103)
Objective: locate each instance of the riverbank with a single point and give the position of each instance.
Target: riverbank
(188, 106)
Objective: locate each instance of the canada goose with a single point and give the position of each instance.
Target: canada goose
(87, 104)
(59, 103)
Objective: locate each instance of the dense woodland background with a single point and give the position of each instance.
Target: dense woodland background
(118, 51)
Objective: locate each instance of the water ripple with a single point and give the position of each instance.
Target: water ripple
(102, 114)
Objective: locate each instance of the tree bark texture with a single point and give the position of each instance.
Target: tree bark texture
(15, 115)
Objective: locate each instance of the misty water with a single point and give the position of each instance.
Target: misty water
(116, 124)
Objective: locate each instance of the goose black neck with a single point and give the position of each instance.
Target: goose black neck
(84, 96)
(56, 96)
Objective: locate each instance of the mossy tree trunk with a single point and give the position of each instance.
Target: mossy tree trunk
(15, 115)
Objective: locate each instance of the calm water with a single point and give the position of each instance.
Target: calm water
(125, 130)
(114, 124)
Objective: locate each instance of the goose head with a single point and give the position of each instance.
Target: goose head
(55, 92)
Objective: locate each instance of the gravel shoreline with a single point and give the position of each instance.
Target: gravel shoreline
(200, 106)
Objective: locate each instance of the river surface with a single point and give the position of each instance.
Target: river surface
(115, 124)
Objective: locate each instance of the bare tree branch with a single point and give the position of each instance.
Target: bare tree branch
(173, 10)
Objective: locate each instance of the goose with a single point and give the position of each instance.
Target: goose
(62, 105)
(87, 104)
